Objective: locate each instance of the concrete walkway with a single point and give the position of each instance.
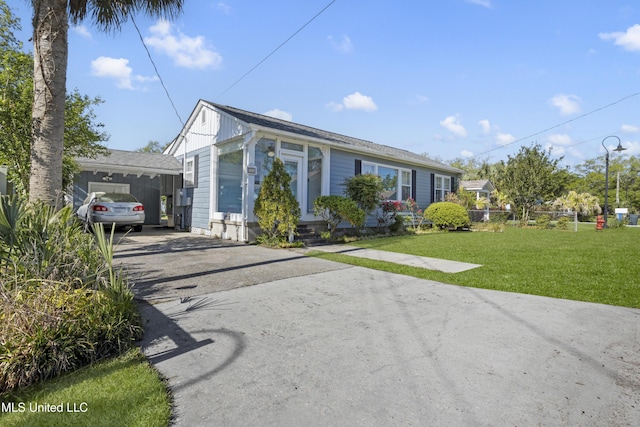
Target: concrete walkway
(443, 265)
(318, 343)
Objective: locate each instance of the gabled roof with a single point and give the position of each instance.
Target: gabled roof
(478, 185)
(132, 163)
(335, 139)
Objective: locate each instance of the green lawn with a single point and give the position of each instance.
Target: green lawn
(124, 391)
(596, 266)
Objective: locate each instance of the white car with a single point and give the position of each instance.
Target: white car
(111, 209)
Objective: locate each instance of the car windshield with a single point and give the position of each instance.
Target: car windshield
(115, 197)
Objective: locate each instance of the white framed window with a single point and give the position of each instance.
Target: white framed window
(442, 187)
(396, 181)
(191, 172)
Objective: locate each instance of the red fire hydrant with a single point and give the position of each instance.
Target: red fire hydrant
(599, 222)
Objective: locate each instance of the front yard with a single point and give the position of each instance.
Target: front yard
(595, 266)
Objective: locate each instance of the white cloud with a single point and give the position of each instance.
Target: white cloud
(629, 40)
(567, 104)
(630, 129)
(483, 3)
(559, 139)
(486, 126)
(504, 138)
(466, 153)
(279, 114)
(453, 125)
(187, 52)
(343, 44)
(555, 150)
(422, 99)
(82, 31)
(119, 70)
(224, 7)
(355, 101)
(633, 148)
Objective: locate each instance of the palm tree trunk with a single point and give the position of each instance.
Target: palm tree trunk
(50, 27)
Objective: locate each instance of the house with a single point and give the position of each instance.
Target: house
(483, 189)
(148, 176)
(226, 153)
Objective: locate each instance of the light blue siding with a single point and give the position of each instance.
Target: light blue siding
(200, 195)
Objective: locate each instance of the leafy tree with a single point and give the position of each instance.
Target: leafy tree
(578, 203)
(276, 207)
(82, 135)
(529, 178)
(153, 147)
(50, 28)
(365, 190)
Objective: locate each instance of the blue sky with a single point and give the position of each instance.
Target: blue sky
(451, 78)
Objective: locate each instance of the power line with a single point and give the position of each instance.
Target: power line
(564, 123)
(276, 49)
(166, 91)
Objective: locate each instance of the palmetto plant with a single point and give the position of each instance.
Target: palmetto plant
(578, 203)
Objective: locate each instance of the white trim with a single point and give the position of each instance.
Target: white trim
(93, 184)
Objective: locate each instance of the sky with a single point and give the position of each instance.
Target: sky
(450, 78)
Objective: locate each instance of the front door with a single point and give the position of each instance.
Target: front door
(293, 166)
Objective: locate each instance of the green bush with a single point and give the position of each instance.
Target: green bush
(335, 209)
(276, 207)
(543, 222)
(447, 215)
(62, 304)
(365, 190)
(563, 223)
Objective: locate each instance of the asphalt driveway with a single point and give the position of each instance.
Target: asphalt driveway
(349, 346)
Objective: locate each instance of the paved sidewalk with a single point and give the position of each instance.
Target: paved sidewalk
(443, 265)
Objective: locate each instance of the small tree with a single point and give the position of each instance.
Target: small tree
(365, 190)
(447, 214)
(583, 203)
(276, 207)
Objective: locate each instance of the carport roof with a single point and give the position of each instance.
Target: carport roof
(132, 163)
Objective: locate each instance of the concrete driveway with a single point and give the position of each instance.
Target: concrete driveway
(349, 346)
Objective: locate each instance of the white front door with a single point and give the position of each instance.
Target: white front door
(293, 166)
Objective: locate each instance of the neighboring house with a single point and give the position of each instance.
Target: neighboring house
(147, 176)
(226, 154)
(482, 188)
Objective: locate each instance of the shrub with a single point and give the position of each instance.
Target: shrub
(543, 221)
(365, 190)
(276, 207)
(388, 216)
(563, 223)
(335, 209)
(62, 305)
(447, 215)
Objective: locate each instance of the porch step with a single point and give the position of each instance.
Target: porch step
(308, 236)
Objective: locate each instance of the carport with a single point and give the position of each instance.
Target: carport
(148, 176)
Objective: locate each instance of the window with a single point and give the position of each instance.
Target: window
(291, 146)
(442, 187)
(191, 172)
(230, 182)
(314, 176)
(396, 181)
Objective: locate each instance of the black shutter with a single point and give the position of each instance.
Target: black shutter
(358, 170)
(454, 187)
(433, 187)
(414, 183)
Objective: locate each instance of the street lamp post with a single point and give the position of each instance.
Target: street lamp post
(606, 175)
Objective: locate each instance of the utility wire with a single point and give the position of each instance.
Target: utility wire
(276, 49)
(564, 123)
(157, 72)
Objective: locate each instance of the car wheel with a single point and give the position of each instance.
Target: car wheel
(137, 228)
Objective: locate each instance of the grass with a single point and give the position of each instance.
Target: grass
(122, 391)
(601, 267)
